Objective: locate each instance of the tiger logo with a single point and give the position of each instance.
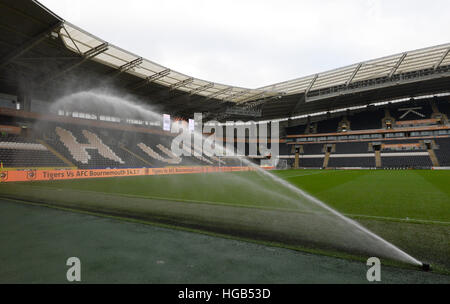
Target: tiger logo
(4, 176)
(31, 175)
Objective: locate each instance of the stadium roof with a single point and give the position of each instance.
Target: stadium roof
(427, 58)
(81, 42)
(41, 50)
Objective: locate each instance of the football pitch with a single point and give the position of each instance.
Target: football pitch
(409, 208)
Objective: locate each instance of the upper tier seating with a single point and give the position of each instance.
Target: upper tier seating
(423, 110)
(402, 147)
(329, 125)
(371, 118)
(349, 148)
(443, 106)
(366, 120)
(295, 130)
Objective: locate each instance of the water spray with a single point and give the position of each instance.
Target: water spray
(390, 250)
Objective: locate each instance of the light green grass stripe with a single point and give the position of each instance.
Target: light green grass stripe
(395, 219)
(125, 195)
(249, 206)
(308, 174)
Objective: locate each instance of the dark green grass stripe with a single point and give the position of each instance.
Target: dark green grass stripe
(328, 253)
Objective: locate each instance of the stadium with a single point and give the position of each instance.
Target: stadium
(319, 173)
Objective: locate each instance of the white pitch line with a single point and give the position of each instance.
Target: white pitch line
(321, 172)
(396, 219)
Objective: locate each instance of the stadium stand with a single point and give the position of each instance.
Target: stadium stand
(417, 136)
(328, 126)
(443, 151)
(88, 151)
(99, 149)
(351, 155)
(349, 162)
(366, 120)
(18, 152)
(405, 161)
(311, 162)
(347, 148)
(401, 96)
(313, 149)
(87, 146)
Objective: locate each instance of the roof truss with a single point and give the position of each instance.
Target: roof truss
(181, 83)
(28, 45)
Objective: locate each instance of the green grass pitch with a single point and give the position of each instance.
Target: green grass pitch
(410, 208)
(414, 195)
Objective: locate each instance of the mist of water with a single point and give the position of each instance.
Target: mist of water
(320, 222)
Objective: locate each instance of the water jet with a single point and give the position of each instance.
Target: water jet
(325, 225)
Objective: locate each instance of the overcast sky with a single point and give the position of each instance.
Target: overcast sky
(253, 43)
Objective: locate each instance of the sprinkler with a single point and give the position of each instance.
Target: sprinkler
(426, 267)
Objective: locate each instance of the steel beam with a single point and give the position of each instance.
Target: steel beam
(181, 83)
(224, 91)
(127, 66)
(297, 105)
(353, 74)
(379, 86)
(311, 84)
(254, 96)
(158, 75)
(86, 56)
(397, 65)
(28, 45)
(151, 79)
(304, 98)
(262, 97)
(438, 64)
(202, 88)
(33, 59)
(237, 94)
(191, 93)
(70, 37)
(132, 64)
(254, 104)
(96, 50)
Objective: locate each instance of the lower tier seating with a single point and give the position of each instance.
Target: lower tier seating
(406, 162)
(311, 162)
(19, 152)
(355, 162)
(443, 151)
